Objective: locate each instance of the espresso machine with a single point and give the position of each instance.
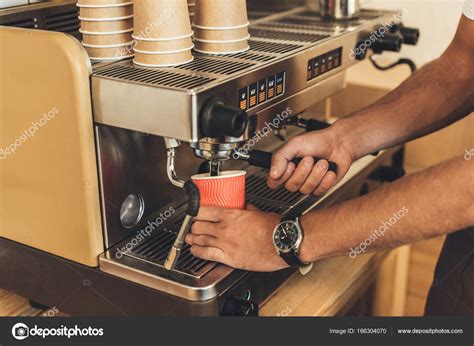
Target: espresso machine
(107, 173)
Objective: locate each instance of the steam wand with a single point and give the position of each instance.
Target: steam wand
(192, 192)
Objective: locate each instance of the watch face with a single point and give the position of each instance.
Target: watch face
(287, 236)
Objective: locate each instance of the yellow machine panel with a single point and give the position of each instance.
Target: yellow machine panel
(49, 194)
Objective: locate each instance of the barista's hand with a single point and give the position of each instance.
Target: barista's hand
(308, 177)
(239, 238)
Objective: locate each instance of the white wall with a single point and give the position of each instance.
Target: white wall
(436, 19)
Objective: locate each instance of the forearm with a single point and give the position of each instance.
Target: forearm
(436, 201)
(434, 97)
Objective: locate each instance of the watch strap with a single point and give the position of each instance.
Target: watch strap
(291, 258)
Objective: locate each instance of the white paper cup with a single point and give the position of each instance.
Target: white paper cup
(221, 35)
(161, 18)
(110, 11)
(106, 24)
(164, 46)
(101, 2)
(110, 52)
(221, 13)
(222, 47)
(106, 38)
(163, 60)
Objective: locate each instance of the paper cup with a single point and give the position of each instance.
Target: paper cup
(220, 35)
(101, 39)
(222, 47)
(112, 11)
(107, 24)
(164, 46)
(162, 59)
(226, 190)
(161, 18)
(101, 2)
(221, 13)
(109, 52)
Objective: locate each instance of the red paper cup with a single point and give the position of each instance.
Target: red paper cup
(226, 190)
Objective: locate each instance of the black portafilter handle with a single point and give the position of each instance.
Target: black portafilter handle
(194, 198)
(218, 120)
(263, 159)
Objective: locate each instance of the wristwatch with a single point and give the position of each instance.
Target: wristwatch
(287, 238)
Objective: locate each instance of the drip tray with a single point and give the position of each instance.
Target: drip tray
(193, 278)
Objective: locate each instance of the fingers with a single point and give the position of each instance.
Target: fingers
(202, 240)
(282, 157)
(328, 182)
(300, 175)
(208, 253)
(205, 228)
(251, 207)
(210, 214)
(273, 184)
(315, 178)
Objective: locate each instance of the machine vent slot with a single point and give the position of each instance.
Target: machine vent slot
(272, 47)
(285, 35)
(364, 15)
(252, 56)
(29, 23)
(63, 22)
(151, 76)
(215, 65)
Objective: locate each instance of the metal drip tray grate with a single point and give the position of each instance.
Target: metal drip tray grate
(203, 63)
(157, 77)
(155, 250)
(258, 32)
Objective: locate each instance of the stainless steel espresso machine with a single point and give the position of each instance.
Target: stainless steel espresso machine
(154, 128)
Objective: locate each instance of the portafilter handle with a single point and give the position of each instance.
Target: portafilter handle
(194, 201)
(263, 159)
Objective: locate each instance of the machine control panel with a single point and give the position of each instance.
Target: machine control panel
(324, 63)
(261, 91)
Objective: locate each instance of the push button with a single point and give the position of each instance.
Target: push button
(280, 83)
(330, 62)
(262, 91)
(322, 63)
(316, 67)
(243, 99)
(252, 95)
(270, 87)
(309, 74)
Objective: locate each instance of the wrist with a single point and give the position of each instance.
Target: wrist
(343, 139)
(310, 250)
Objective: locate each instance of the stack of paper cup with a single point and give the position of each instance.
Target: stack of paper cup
(192, 9)
(221, 27)
(106, 27)
(162, 33)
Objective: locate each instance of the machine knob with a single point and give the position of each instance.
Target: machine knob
(410, 35)
(389, 42)
(239, 307)
(219, 119)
